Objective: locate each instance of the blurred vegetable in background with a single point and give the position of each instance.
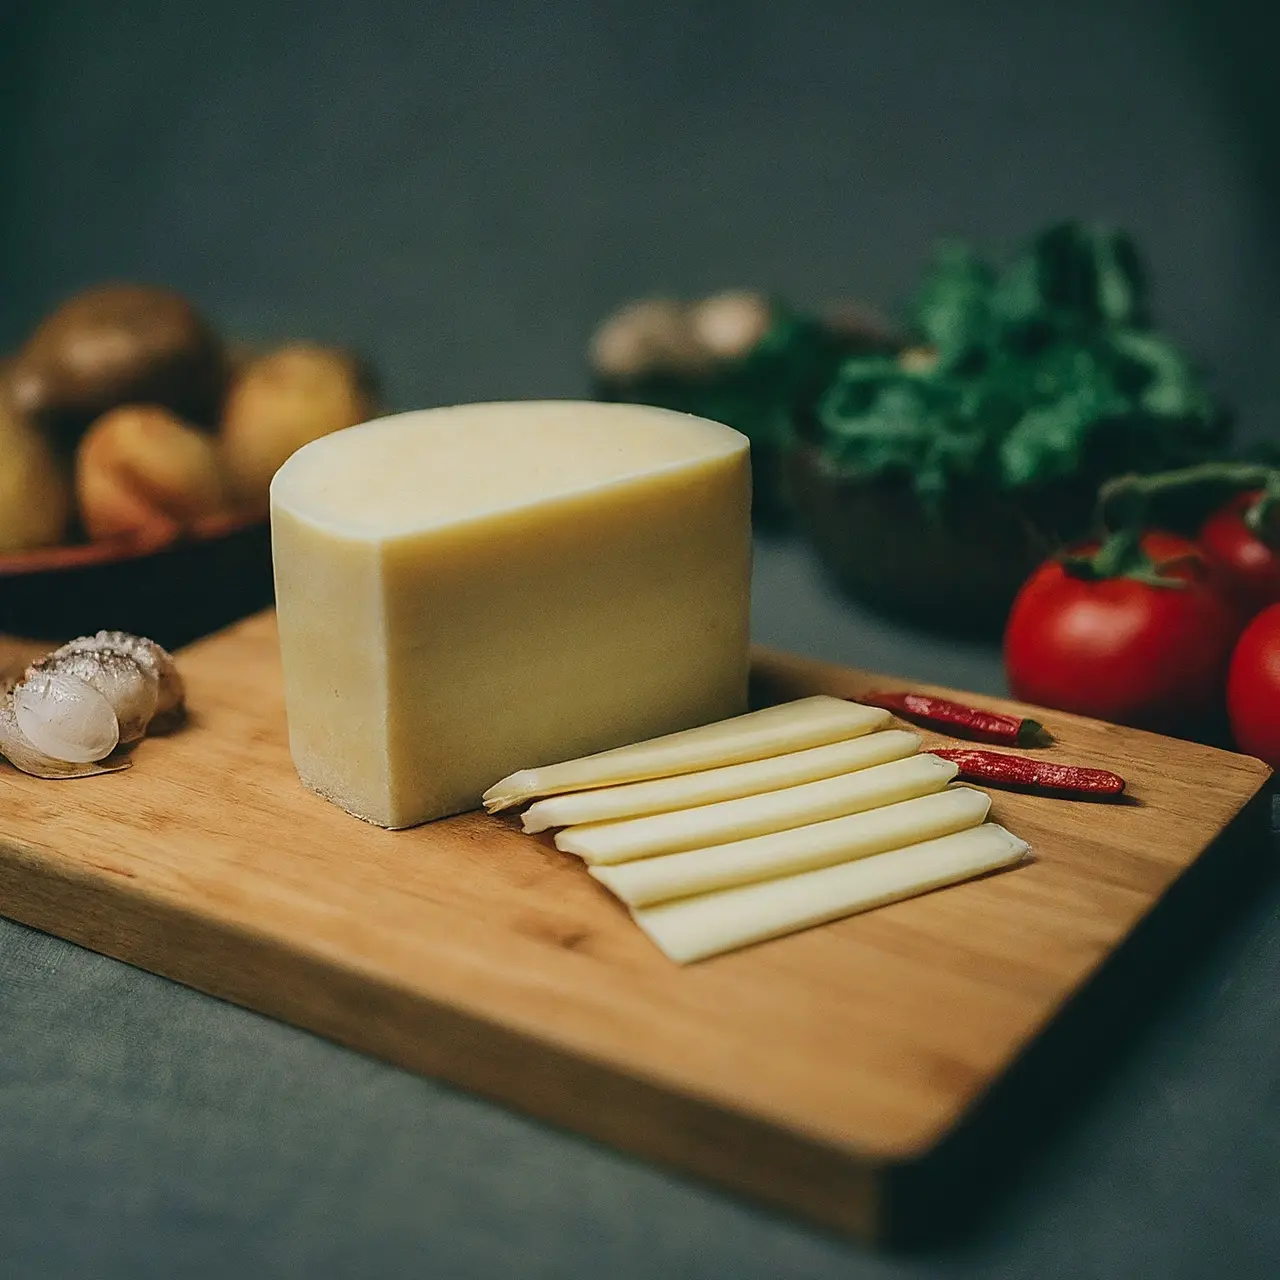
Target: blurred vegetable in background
(137, 447)
(735, 357)
(1253, 688)
(933, 467)
(1024, 377)
(1145, 629)
(1231, 507)
(1137, 631)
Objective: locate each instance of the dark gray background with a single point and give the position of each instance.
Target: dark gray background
(462, 189)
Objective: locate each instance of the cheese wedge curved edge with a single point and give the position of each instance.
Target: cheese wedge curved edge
(695, 928)
(730, 782)
(712, 824)
(648, 881)
(772, 731)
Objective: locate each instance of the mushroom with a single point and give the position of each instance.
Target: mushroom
(654, 335)
(141, 471)
(118, 344)
(731, 324)
(282, 400)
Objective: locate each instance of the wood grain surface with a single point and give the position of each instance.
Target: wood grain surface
(802, 1071)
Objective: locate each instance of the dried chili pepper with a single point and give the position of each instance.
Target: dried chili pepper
(959, 720)
(1021, 771)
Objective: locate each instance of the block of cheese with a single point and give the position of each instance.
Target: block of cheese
(463, 590)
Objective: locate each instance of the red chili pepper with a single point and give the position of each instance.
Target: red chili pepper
(959, 720)
(1021, 771)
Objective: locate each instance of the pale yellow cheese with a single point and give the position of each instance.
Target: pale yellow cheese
(783, 853)
(462, 591)
(772, 731)
(709, 824)
(695, 928)
(662, 795)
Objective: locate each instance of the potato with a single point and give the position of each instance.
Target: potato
(35, 486)
(283, 400)
(120, 344)
(142, 471)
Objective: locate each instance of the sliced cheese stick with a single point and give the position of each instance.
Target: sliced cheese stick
(712, 824)
(661, 795)
(694, 928)
(773, 731)
(784, 853)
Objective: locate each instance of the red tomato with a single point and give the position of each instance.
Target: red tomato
(1121, 649)
(1248, 566)
(1253, 688)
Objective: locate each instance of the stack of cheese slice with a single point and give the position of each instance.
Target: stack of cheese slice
(764, 824)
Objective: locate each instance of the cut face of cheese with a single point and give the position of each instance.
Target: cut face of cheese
(464, 590)
(711, 824)
(784, 853)
(773, 731)
(695, 928)
(663, 795)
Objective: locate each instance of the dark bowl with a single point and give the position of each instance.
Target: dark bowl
(957, 572)
(172, 589)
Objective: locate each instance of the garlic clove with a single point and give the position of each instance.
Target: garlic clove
(19, 751)
(146, 653)
(131, 687)
(65, 718)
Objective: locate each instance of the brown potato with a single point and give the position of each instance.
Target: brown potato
(283, 400)
(35, 487)
(120, 344)
(142, 471)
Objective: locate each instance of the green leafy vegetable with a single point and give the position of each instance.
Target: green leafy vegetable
(953, 308)
(1045, 371)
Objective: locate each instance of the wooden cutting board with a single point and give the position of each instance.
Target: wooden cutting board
(813, 1071)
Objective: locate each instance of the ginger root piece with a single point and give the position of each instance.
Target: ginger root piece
(35, 488)
(282, 400)
(141, 471)
(120, 344)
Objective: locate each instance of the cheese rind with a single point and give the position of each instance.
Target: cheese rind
(661, 795)
(647, 881)
(772, 731)
(463, 590)
(695, 928)
(711, 824)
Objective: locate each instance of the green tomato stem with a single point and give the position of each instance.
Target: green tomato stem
(1263, 516)
(1125, 500)
(1122, 555)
